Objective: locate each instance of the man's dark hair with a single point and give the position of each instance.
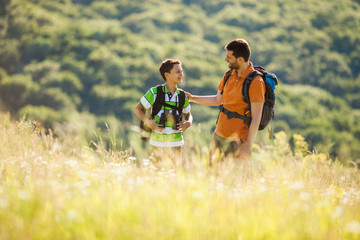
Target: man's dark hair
(166, 66)
(240, 48)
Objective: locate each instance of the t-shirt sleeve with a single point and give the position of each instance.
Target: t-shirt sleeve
(257, 90)
(221, 84)
(187, 106)
(149, 98)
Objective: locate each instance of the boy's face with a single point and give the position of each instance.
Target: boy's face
(175, 75)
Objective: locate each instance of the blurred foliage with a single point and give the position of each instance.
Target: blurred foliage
(57, 188)
(61, 59)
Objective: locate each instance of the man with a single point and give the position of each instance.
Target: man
(167, 127)
(233, 136)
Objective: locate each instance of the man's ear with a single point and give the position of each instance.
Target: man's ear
(166, 74)
(240, 60)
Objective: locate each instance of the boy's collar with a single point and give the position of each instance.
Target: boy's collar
(166, 90)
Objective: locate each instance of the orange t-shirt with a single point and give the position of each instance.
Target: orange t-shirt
(235, 128)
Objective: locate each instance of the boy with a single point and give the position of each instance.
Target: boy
(167, 125)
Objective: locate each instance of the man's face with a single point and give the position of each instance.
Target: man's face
(232, 60)
(176, 74)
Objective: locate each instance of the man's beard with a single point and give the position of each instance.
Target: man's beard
(232, 66)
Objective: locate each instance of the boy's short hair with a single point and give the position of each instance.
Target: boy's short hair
(166, 66)
(240, 48)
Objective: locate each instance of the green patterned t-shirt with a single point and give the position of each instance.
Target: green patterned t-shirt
(168, 137)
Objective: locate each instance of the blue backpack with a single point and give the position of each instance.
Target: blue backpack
(271, 81)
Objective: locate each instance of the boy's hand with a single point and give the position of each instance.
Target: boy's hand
(183, 125)
(153, 125)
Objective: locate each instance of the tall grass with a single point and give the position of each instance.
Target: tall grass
(58, 190)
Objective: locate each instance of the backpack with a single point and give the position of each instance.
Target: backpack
(145, 130)
(270, 81)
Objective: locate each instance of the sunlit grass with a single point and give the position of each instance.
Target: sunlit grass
(56, 190)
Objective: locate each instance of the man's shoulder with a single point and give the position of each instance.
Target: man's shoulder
(255, 75)
(258, 78)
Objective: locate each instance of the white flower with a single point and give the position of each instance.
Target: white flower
(353, 227)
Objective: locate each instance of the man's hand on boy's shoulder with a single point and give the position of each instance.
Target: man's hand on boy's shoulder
(188, 95)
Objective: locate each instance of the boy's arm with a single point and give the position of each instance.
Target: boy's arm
(210, 100)
(140, 112)
(183, 125)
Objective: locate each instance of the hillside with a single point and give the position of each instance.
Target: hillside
(75, 64)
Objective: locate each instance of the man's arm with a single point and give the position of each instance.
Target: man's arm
(210, 100)
(256, 112)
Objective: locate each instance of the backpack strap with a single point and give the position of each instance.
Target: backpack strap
(179, 105)
(159, 101)
(246, 85)
(228, 74)
(181, 101)
(229, 114)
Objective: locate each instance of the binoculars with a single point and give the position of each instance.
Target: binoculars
(167, 117)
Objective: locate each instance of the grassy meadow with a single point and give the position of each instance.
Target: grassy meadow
(57, 189)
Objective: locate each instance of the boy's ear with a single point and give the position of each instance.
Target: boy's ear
(166, 74)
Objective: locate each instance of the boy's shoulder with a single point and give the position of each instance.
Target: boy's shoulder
(182, 92)
(180, 89)
(154, 89)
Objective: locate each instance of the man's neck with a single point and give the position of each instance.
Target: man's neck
(242, 68)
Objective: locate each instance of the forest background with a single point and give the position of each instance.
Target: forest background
(79, 67)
